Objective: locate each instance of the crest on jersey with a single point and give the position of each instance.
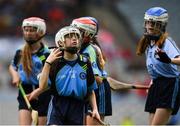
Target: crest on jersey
(82, 75)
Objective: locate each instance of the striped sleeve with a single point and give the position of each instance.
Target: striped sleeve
(92, 55)
(171, 48)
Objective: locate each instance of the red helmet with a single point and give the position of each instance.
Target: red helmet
(86, 26)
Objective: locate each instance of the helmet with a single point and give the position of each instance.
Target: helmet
(95, 21)
(158, 16)
(60, 35)
(35, 22)
(86, 24)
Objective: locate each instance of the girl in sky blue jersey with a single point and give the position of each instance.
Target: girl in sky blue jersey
(162, 58)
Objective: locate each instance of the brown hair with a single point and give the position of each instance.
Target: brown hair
(101, 59)
(95, 42)
(144, 42)
(26, 59)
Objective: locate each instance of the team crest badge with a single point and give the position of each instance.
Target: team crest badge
(82, 75)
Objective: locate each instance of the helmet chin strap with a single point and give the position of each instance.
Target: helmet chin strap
(31, 42)
(72, 50)
(152, 37)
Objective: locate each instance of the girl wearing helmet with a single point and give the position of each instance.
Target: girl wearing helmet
(72, 80)
(162, 58)
(26, 66)
(89, 27)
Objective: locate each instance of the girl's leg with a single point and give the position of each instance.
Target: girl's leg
(42, 120)
(151, 116)
(24, 117)
(161, 116)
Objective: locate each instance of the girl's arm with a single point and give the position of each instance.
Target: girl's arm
(163, 57)
(44, 76)
(92, 99)
(176, 60)
(15, 76)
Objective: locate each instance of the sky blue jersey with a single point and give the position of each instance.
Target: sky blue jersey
(155, 67)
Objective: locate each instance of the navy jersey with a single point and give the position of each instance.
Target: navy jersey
(158, 69)
(38, 60)
(72, 78)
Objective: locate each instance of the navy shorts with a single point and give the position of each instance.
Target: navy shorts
(41, 105)
(103, 99)
(65, 111)
(164, 93)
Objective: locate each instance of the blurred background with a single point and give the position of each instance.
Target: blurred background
(121, 26)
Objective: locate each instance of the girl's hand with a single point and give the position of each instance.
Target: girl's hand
(95, 114)
(16, 80)
(162, 56)
(34, 94)
(55, 54)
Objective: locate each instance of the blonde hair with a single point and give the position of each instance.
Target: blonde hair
(144, 42)
(26, 59)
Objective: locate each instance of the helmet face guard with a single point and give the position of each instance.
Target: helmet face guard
(68, 32)
(64, 32)
(37, 23)
(154, 27)
(155, 21)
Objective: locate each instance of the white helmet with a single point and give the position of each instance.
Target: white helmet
(35, 22)
(86, 24)
(64, 31)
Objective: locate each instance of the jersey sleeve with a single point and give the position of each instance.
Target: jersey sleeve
(91, 53)
(16, 59)
(171, 48)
